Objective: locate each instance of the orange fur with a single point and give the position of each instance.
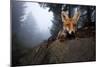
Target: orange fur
(69, 25)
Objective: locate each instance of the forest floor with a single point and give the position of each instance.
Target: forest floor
(80, 49)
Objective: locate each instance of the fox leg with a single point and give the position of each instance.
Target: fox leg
(61, 36)
(58, 36)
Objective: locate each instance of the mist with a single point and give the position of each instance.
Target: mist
(35, 25)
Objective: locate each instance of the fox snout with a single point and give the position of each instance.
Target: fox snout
(70, 27)
(70, 31)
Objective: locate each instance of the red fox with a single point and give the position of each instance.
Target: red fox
(69, 24)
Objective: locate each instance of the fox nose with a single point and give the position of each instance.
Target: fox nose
(71, 32)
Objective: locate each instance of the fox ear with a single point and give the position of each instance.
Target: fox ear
(76, 16)
(64, 16)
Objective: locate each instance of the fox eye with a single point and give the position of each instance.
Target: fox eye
(67, 24)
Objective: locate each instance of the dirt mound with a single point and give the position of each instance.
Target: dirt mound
(75, 50)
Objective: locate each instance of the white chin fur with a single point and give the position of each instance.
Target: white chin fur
(69, 32)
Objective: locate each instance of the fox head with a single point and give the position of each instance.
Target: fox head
(70, 24)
